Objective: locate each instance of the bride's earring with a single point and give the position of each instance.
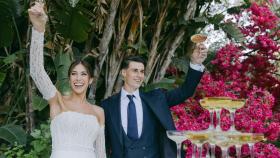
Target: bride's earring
(90, 94)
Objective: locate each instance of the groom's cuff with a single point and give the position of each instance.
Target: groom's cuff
(197, 67)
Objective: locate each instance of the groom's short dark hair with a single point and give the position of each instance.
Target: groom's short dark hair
(129, 59)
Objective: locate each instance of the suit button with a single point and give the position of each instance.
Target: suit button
(131, 148)
(144, 148)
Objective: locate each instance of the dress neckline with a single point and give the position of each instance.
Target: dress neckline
(75, 112)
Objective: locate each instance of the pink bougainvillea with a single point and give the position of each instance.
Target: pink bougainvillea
(239, 73)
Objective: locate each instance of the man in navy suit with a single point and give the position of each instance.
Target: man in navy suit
(136, 122)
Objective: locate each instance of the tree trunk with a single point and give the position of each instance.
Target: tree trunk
(103, 47)
(117, 55)
(191, 7)
(153, 54)
(170, 53)
(29, 112)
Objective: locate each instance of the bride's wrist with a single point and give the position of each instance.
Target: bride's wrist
(39, 28)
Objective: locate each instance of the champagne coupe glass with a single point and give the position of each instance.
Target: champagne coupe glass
(221, 139)
(232, 107)
(239, 139)
(189, 135)
(178, 137)
(211, 108)
(224, 147)
(199, 138)
(199, 38)
(214, 104)
(235, 137)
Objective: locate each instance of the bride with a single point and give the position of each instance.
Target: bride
(77, 127)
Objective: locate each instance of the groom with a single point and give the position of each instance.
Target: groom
(136, 122)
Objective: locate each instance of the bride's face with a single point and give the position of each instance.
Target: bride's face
(79, 79)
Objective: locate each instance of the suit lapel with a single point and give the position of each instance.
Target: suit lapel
(115, 114)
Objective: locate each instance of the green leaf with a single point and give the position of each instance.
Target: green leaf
(10, 8)
(38, 102)
(72, 24)
(2, 78)
(13, 134)
(6, 31)
(10, 59)
(233, 31)
(216, 19)
(62, 63)
(276, 143)
(39, 145)
(238, 9)
(192, 26)
(181, 64)
(36, 134)
(64, 87)
(234, 10)
(200, 19)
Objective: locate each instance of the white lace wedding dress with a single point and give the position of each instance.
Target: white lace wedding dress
(74, 134)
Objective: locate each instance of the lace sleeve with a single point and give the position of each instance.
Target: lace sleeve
(37, 71)
(100, 144)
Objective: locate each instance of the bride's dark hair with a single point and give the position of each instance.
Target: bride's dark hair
(84, 63)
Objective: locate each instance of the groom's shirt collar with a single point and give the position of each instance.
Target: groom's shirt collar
(124, 94)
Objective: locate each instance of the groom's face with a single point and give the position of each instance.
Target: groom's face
(133, 75)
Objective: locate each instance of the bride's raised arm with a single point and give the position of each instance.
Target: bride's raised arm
(37, 70)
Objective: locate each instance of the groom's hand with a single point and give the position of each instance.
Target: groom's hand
(199, 54)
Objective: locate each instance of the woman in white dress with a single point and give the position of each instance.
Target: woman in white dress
(77, 127)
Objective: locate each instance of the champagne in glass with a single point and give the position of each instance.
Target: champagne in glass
(213, 104)
(199, 138)
(232, 107)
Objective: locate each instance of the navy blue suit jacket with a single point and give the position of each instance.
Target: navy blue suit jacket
(159, 102)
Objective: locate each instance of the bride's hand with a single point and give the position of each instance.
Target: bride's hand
(38, 16)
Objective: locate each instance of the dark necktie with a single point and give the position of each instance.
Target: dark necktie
(132, 131)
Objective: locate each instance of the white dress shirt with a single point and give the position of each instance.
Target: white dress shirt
(197, 67)
(138, 106)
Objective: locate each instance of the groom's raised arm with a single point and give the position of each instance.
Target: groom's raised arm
(195, 73)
